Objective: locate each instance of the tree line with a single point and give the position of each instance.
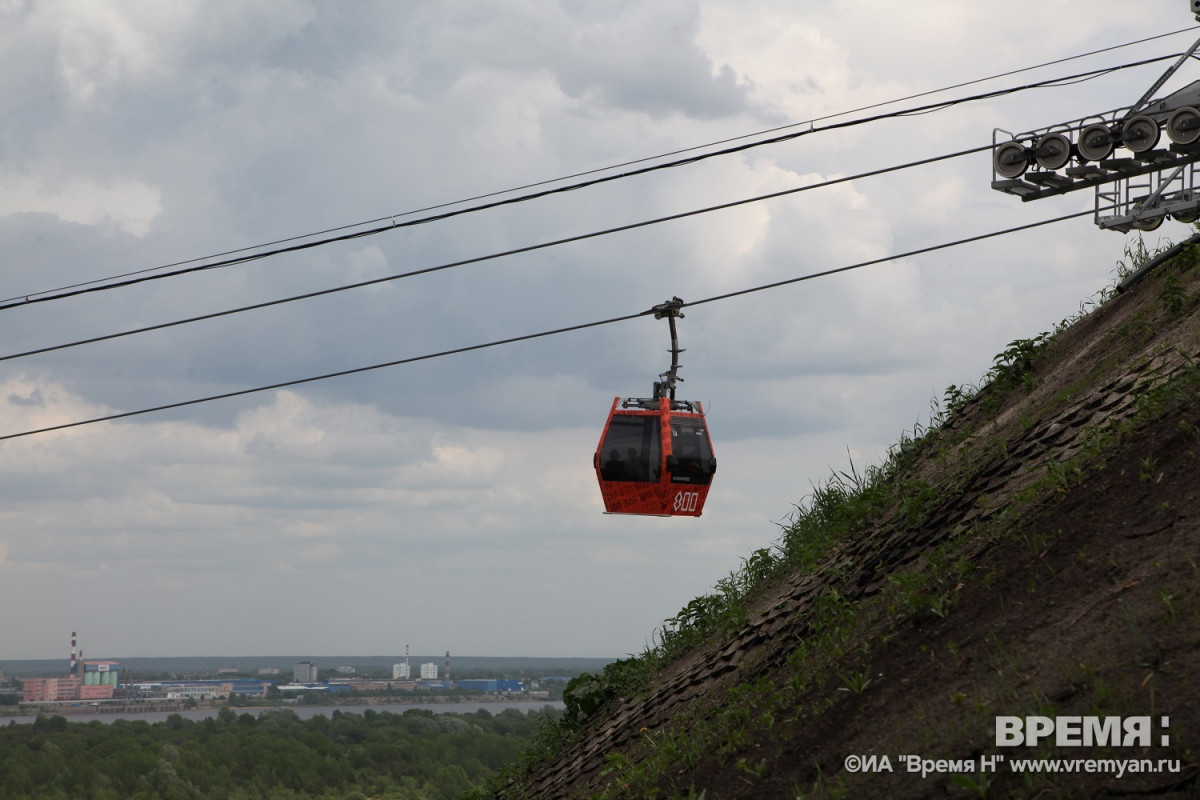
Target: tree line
(415, 755)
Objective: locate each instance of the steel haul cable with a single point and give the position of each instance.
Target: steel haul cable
(922, 109)
(605, 169)
(492, 256)
(29, 299)
(540, 335)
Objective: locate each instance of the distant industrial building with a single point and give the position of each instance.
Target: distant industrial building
(492, 685)
(51, 690)
(429, 671)
(85, 680)
(293, 688)
(101, 680)
(202, 689)
(101, 673)
(402, 671)
(304, 672)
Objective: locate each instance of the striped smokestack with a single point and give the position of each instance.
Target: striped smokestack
(74, 659)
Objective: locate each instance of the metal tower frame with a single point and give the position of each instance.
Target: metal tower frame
(1134, 190)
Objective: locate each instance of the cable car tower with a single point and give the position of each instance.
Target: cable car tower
(1136, 188)
(655, 456)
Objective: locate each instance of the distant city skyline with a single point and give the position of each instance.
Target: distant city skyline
(285, 663)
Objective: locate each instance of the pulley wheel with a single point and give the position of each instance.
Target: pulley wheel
(1186, 217)
(1140, 134)
(1095, 143)
(1146, 223)
(1183, 126)
(1010, 160)
(1053, 151)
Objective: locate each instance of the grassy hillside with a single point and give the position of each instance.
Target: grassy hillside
(1034, 553)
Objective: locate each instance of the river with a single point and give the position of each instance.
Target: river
(305, 712)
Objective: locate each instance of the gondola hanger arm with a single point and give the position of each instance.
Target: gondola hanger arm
(666, 386)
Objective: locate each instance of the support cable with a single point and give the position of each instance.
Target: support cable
(394, 224)
(621, 165)
(493, 256)
(540, 335)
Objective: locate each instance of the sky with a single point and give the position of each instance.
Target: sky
(451, 504)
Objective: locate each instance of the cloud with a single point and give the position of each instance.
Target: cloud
(142, 134)
(324, 553)
(645, 58)
(104, 48)
(126, 204)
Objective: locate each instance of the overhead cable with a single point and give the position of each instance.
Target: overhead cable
(394, 223)
(493, 256)
(612, 166)
(540, 335)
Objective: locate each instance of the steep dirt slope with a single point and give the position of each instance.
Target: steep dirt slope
(1038, 555)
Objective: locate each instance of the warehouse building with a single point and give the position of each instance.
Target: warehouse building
(202, 689)
(492, 685)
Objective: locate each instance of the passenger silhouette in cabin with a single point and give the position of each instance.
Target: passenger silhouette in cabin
(614, 467)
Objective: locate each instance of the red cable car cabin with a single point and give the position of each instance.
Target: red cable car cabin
(655, 457)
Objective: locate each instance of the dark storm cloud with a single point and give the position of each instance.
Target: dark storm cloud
(138, 135)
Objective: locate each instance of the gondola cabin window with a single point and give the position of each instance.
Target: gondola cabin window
(691, 459)
(632, 449)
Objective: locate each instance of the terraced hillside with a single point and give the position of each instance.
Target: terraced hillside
(1036, 553)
